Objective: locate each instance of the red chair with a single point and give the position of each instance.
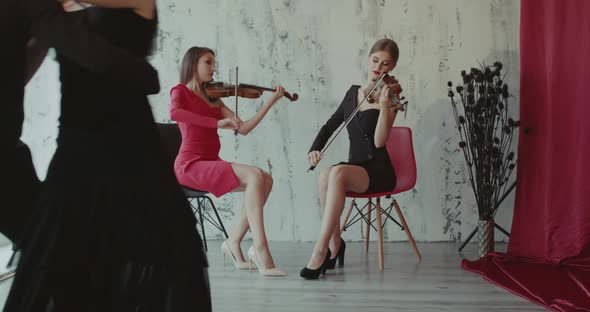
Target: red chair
(401, 152)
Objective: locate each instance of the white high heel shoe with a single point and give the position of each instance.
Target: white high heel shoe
(240, 265)
(264, 271)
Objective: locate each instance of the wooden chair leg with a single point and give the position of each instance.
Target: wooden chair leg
(368, 230)
(407, 229)
(380, 233)
(347, 216)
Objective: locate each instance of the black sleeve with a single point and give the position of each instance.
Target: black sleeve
(51, 27)
(327, 129)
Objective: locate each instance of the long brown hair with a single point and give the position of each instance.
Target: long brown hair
(388, 46)
(189, 63)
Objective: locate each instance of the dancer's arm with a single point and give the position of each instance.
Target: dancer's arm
(51, 27)
(145, 8)
(35, 56)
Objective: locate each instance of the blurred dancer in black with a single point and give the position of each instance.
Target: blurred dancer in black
(112, 231)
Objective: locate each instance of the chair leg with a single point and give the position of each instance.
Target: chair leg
(368, 230)
(347, 216)
(380, 233)
(217, 215)
(200, 209)
(408, 232)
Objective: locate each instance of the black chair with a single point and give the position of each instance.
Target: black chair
(170, 139)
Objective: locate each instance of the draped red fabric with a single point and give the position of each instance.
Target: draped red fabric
(548, 257)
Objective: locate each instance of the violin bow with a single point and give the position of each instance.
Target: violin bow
(405, 110)
(349, 119)
(236, 92)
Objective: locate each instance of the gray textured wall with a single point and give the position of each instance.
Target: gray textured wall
(318, 49)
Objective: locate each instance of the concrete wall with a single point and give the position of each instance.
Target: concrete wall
(318, 49)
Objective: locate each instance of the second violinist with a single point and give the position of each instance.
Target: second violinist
(368, 169)
(198, 164)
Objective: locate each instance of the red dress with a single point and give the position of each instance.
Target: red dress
(198, 165)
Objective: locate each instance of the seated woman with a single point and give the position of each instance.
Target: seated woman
(198, 164)
(368, 169)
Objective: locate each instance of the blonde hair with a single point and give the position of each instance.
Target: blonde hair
(387, 45)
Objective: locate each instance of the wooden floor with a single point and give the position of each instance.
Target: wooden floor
(435, 284)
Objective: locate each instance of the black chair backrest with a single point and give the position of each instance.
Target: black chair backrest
(170, 140)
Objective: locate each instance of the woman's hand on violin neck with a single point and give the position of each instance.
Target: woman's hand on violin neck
(396, 89)
(278, 94)
(385, 100)
(232, 123)
(397, 107)
(314, 157)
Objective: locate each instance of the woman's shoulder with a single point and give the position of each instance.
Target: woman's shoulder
(353, 89)
(182, 91)
(179, 88)
(352, 92)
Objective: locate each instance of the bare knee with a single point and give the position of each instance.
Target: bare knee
(256, 177)
(337, 175)
(268, 181)
(324, 178)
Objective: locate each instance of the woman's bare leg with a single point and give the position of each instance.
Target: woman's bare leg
(323, 190)
(341, 178)
(240, 230)
(323, 179)
(257, 185)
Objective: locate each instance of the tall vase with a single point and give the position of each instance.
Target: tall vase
(485, 237)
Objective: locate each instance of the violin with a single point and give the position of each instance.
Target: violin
(379, 84)
(217, 90)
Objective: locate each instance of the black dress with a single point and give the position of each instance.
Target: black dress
(113, 231)
(45, 20)
(362, 150)
(19, 185)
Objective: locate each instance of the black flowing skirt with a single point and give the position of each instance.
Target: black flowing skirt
(19, 190)
(112, 231)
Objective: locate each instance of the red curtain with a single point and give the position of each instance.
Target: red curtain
(548, 257)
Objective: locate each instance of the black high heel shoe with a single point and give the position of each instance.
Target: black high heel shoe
(315, 274)
(339, 256)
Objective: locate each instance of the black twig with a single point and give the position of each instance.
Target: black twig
(486, 133)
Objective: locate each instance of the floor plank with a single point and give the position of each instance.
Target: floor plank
(437, 283)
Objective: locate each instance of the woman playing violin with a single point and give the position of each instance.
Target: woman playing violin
(368, 169)
(198, 164)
